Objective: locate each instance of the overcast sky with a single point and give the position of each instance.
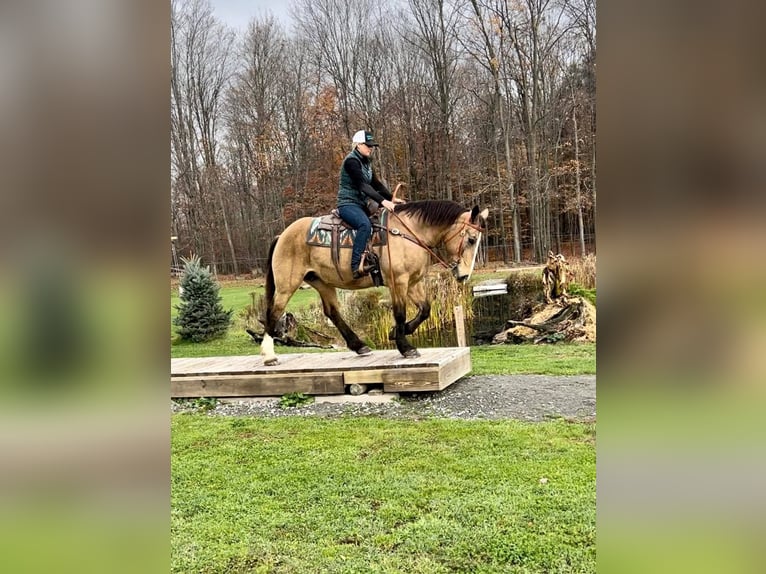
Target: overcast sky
(237, 13)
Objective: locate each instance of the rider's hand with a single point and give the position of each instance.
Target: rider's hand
(397, 200)
(389, 205)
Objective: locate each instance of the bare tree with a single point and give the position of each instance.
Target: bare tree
(533, 28)
(583, 15)
(339, 34)
(488, 54)
(434, 35)
(200, 68)
(408, 105)
(255, 133)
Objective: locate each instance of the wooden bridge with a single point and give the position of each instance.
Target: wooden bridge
(317, 373)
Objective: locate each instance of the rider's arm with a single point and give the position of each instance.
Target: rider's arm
(354, 170)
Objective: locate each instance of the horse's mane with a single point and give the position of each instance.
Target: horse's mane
(434, 212)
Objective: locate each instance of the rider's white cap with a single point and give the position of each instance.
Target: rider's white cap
(364, 137)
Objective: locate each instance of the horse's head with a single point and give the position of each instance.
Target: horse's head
(462, 242)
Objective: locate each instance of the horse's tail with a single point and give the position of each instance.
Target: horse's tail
(270, 286)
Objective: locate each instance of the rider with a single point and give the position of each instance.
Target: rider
(358, 183)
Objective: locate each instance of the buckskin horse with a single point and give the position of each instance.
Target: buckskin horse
(412, 232)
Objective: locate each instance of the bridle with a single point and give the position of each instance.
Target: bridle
(415, 239)
(462, 233)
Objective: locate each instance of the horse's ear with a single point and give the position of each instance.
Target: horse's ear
(551, 255)
(475, 213)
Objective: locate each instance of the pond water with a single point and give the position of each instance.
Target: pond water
(490, 313)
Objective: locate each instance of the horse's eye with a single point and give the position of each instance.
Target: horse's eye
(471, 240)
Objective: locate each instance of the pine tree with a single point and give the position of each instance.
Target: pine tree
(200, 314)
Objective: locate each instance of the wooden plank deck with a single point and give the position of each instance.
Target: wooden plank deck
(317, 373)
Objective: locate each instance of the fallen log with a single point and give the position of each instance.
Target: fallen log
(286, 341)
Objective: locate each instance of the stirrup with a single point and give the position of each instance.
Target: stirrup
(363, 270)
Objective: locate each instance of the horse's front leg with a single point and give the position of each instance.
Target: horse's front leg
(399, 304)
(417, 294)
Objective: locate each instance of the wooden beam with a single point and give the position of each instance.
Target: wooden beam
(255, 386)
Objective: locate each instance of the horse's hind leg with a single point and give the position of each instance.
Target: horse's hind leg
(284, 290)
(331, 309)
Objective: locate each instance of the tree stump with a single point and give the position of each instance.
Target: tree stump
(566, 319)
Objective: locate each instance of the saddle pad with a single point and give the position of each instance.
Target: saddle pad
(321, 231)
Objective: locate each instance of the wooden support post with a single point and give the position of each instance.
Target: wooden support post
(460, 325)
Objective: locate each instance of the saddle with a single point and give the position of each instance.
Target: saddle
(332, 232)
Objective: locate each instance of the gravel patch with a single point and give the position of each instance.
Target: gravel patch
(521, 397)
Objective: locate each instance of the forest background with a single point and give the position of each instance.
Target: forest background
(488, 102)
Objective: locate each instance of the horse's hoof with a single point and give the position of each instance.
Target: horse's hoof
(271, 361)
(364, 351)
(411, 354)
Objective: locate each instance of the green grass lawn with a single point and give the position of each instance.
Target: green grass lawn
(527, 359)
(302, 495)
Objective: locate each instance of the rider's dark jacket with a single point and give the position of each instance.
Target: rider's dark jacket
(358, 182)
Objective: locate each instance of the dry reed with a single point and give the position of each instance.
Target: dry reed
(582, 271)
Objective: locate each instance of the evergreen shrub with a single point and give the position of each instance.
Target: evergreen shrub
(201, 316)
